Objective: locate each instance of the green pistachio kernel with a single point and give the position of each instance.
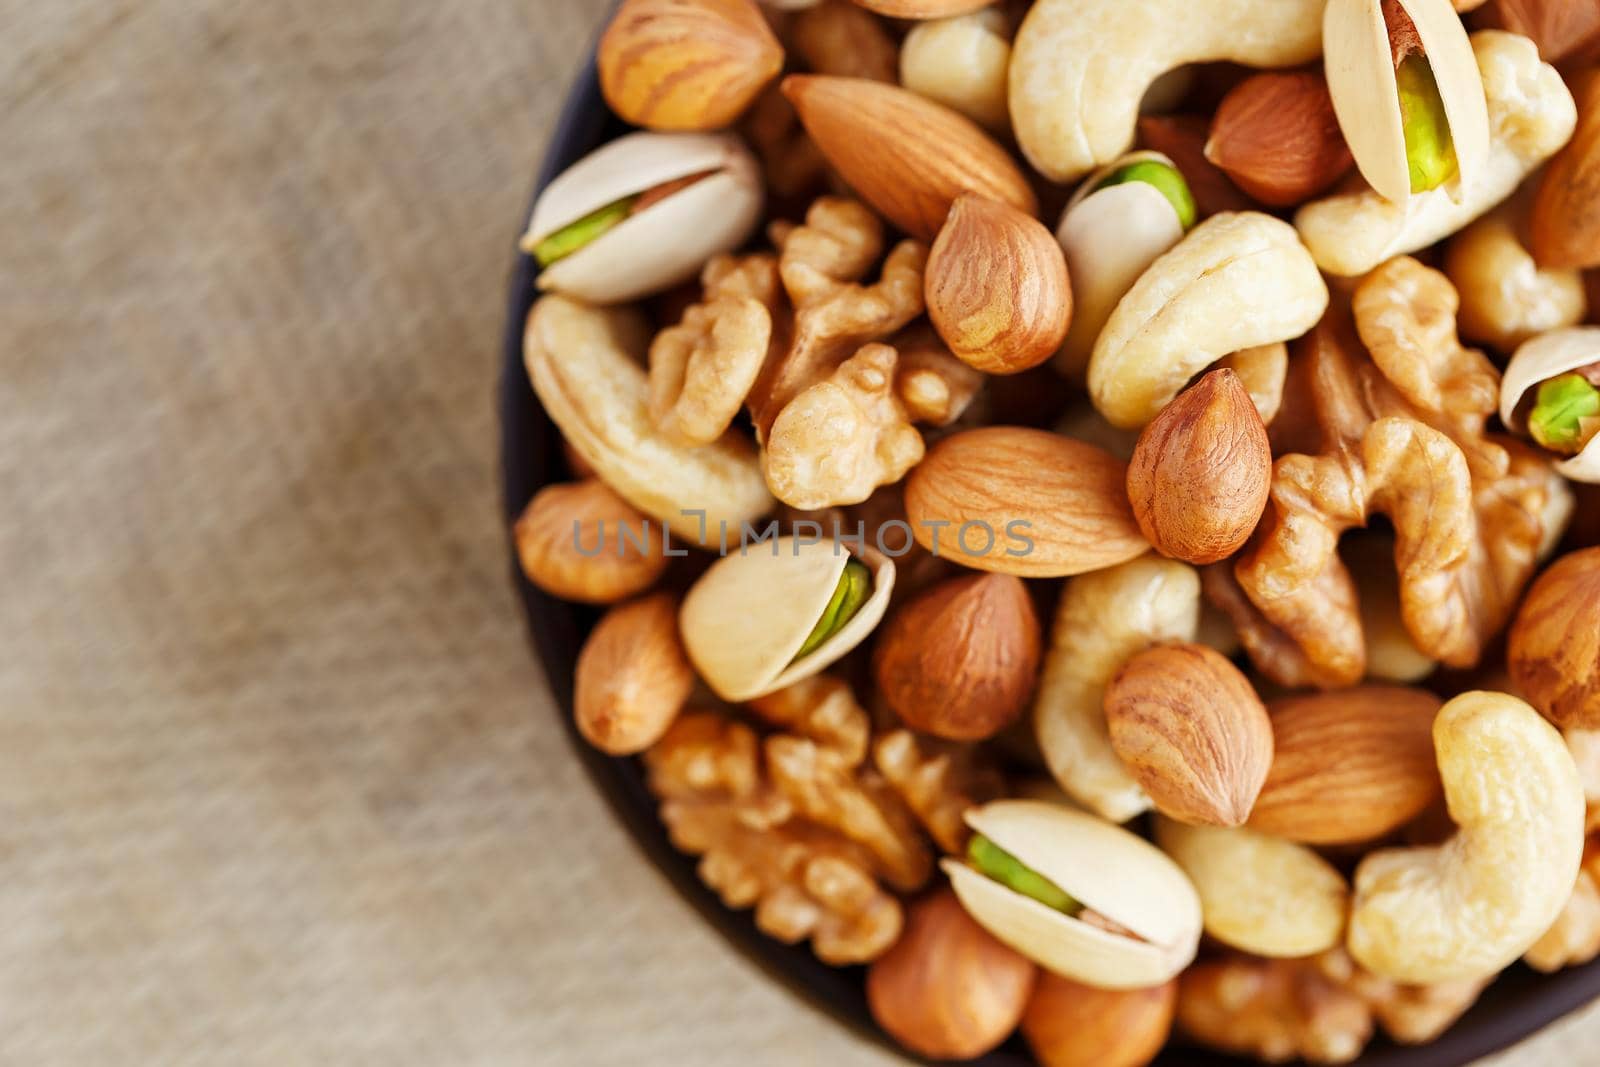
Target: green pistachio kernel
(574, 235)
(992, 861)
(1168, 181)
(1563, 405)
(855, 585)
(1430, 151)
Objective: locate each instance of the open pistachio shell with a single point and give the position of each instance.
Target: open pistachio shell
(1366, 96)
(665, 243)
(1111, 236)
(1539, 360)
(749, 614)
(1113, 872)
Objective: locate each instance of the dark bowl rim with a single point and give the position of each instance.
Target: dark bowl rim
(1515, 1007)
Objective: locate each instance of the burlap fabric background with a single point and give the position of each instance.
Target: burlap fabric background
(280, 782)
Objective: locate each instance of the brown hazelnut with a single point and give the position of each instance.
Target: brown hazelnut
(1069, 1024)
(948, 989)
(960, 660)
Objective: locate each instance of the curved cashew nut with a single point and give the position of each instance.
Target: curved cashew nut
(1467, 908)
(1103, 618)
(1531, 115)
(586, 364)
(1238, 280)
(1079, 68)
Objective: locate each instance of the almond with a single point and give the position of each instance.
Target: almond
(904, 154)
(1201, 471)
(1566, 211)
(1276, 135)
(1554, 651)
(633, 676)
(1182, 139)
(923, 9)
(996, 287)
(686, 64)
(1193, 732)
(1351, 766)
(960, 660)
(1021, 501)
(1559, 27)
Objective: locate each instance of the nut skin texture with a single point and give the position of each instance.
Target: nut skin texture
(997, 288)
(561, 518)
(1201, 472)
(1554, 652)
(686, 64)
(1276, 135)
(1559, 27)
(907, 156)
(1566, 212)
(960, 661)
(921, 9)
(1071, 495)
(1193, 732)
(948, 989)
(1349, 766)
(632, 676)
(1069, 1024)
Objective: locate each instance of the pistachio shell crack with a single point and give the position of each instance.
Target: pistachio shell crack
(992, 861)
(575, 235)
(1164, 178)
(1566, 414)
(855, 586)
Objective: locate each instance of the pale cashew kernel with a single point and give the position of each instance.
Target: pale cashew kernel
(1079, 68)
(1506, 298)
(1531, 115)
(586, 365)
(1238, 280)
(961, 61)
(1262, 371)
(1104, 618)
(1260, 893)
(1467, 908)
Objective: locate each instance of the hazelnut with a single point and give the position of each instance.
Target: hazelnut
(996, 287)
(632, 676)
(581, 541)
(948, 989)
(960, 660)
(1201, 472)
(1554, 652)
(1069, 1024)
(1193, 732)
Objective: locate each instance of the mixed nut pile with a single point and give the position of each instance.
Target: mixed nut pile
(1179, 624)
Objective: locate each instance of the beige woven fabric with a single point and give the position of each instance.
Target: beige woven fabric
(280, 782)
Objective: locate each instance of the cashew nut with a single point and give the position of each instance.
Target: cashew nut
(586, 364)
(1257, 892)
(1238, 280)
(1467, 908)
(1506, 297)
(961, 61)
(1079, 68)
(1531, 115)
(1103, 618)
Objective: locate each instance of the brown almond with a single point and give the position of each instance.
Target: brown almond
(686, 64)
(1554, 651)
(1192, 731)
(1350, 766)
(1276, 135)
(1560, 28)
(633, 676)
(961, 659)
(1566, 212)
(1021, 501)
(904, 154)
(996, 287)
(1201, 471)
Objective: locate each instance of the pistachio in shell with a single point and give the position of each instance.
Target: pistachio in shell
(1139, 922)
(747, 620)
(642, 214)
(1543, 396)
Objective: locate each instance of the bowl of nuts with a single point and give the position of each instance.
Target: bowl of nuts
(1068, 529)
